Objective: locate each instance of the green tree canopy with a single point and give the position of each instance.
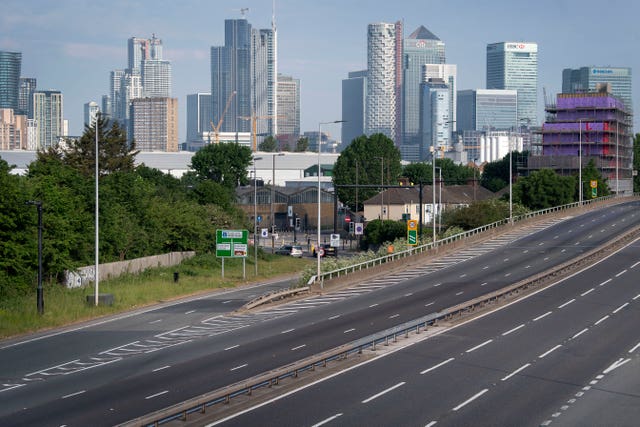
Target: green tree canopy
(269, 144)
(544, 189)
(495, 175)
(452, 173)
(480, 213)
(224, 163)
(591, 173)
(375, 159)
(378, 232)
(302, 144)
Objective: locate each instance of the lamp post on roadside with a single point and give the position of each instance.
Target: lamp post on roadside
(580, 161)
(273, 193)
(39, 292)
(319, 200)
(255, 215)
(97, 275)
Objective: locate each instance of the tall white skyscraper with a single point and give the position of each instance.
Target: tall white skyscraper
(383, 84)
(91, 110)
(288, 105)
(156, 78)
(514, 66)
(48, 115)
(264, 79)
(435, 120)
(449, 74)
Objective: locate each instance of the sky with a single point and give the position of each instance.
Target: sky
(72, 45)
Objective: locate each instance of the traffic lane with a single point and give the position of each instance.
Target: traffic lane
(494, 363)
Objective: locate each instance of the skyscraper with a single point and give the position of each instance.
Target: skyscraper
(231, 73)
(586, 79)
(383, 81)
(156, 78)
(264, 79)
(25, 96)
(514, 65)
(435, 118)
(91, 110)
(10, 66)
(198, 116)
(354, 94)
(419, 48)
(288, 94)
(487, 109)
(155, 124)
(449, 74)
(48, 116)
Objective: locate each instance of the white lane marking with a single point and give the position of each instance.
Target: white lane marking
(505, 260)
(395, 315)
(373, 305)
(288, 330)
(431, 424)
(161, 368)
(566, 303)
(328, 420)
(427, 305)
(155, 321)
(53, 367)
(478, 346)
(546, 259)
(483, 284)
(334, 317)
(227, 302)
(437, 366)
(349, 330)
(563, 251)
(541, 316)
(527, 266)
(587, 292)
(520, 369)
(636, 297)
(74, 394)
(232, 347)
(471, 399)
(555, 237)
(579, 333)
(620, 308)
(590, 236)
(615, 365)
(463, 275)
(298, 347)
(637, 346)
(157, 394)
(375, 396)
(409, 294)
(621, 273)
(460, 293)
(513, 330)
(635, 265)
(507, 275)
(549, 351)
(605, 282)
(238, 367)
(190, 311)
(485, 267)
(525, 251)
(602, 320)
(541, 243)
(437, 284)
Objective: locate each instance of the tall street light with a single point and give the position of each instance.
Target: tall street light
(580, 161)
(255, 216)
(39, 293)
(510, 181)
(319, 188)
(97, 275)
(381, 187)
(273, 193)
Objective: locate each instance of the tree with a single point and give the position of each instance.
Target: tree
(224, 163)
(591, 173)
(302, 144)
(378, 232)
(544, 189)
(480, 213)
(375, 159)
(269, 144)
(495, 175)
(452, 173)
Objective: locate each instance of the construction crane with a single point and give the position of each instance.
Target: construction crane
(242, 11)
(254, 127)
(216, 129)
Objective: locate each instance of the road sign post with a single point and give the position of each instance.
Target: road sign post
(594, 188)
(412, 232)
(232, 244)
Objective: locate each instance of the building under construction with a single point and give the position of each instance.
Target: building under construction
(596, 123)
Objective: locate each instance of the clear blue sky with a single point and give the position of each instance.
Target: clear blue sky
(71, 45)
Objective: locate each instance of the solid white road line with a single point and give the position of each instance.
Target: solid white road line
(587, 292)
(373, 305)
(155, 321)
(395, 315)
(579, 333)
(460, 293)
(471, 399)
(438, 365)
(636, 297)
(635, 265)
(157, 394)
(620, 308)
(615, 365)
(427, 305)
(513, 330)
(232, 347)
(238, 367)
(190, 311)
(334, 317)
(602, 320)
(288, 330)
(544, 315)
(162, 368)
(635, 348)
(520, 369)
(323, 422)
(349, 330)
(549, 351)
(375, 396)
(74, 394)
(227, 302)
(298, 347)
(566, 303)
(431, 424)
(478, 346)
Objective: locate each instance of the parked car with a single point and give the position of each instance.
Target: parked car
(291, 250)
(328, 250)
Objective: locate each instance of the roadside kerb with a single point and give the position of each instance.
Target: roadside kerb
(271, 378)
(273, 296)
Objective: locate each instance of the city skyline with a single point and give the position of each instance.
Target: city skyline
(76, 59)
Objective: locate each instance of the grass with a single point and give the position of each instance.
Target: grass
(200, 274)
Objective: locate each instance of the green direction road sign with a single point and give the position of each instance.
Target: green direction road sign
(594, 193)
(232, 243)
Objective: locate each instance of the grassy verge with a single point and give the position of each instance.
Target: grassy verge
(200, 274)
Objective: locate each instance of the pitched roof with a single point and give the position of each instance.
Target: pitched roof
(451, 194)
(422, 33)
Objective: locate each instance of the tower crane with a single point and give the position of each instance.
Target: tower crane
(216, 128)
(254, 127)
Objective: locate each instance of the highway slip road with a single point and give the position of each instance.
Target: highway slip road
(567, 355)
(112, 372)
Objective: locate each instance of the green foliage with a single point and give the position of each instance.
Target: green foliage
(480, 213)
(544, 189)
(377, 232)
(364, 157)
(591, 173)
(452, 173)
(418, 172)
(495, 175)
(269, 144)
(302, 145)
(225, 163)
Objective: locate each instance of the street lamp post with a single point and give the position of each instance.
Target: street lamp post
(39, 292)
(433, 195)
(617, 158)
(510, 181)
(97, 275)
(580, 162)
(381, 187)
(255, 216)
(319, 200)
(273, 193)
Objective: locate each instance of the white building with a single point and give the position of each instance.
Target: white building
(449, 74)
(495, 145)
(435, 118)
(156, 78)
(48, 115)
(91, 110)
(264, 79)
